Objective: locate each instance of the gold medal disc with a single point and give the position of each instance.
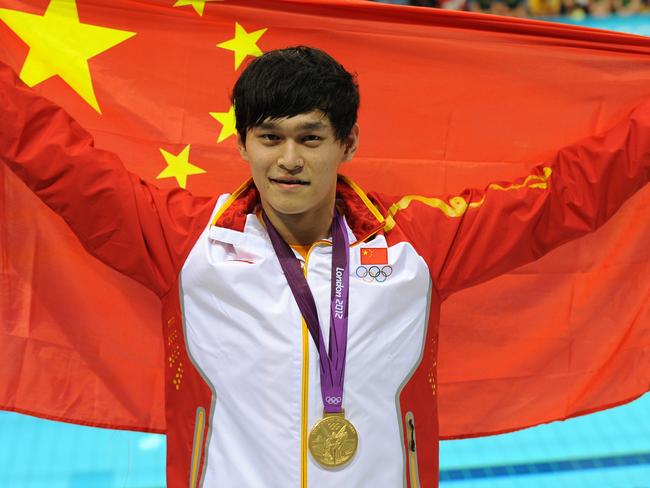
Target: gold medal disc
(333, 440)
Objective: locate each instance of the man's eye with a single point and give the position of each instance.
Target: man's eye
(269, 137)
(312, 138)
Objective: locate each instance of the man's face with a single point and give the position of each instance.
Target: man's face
(294, 162)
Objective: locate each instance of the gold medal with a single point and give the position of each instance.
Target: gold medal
(333, 440)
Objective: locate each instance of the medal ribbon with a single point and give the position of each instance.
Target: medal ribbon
(332, 359)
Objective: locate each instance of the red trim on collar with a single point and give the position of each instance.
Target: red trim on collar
(359, 217)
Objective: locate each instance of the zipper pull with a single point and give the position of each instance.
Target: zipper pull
(412, 442)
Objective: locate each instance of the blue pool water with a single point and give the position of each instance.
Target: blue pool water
(633, 24)
(607, 449)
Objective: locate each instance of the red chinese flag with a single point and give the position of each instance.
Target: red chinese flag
(449, 100)
(374, 255)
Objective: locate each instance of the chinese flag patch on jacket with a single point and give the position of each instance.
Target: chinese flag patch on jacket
(374, 255)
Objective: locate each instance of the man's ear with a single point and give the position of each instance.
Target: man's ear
(351, 143)
(242, 148)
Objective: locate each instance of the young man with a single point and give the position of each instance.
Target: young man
(305, 312)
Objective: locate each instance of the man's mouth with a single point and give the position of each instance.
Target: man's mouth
(289, 181)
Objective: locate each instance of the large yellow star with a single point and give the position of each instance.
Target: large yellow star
(243, 44)
(198, 5)
(61, 45)
(179, 166)
(228, 123)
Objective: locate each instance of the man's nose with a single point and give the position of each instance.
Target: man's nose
(290, 158)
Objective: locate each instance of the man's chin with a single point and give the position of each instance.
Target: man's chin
(288, 210)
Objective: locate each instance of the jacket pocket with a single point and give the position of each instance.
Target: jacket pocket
(412, 451)
(197, 446)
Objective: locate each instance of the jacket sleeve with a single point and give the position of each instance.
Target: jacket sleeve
(132, 226)
(477, 235)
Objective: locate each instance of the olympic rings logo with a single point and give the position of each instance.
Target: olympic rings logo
(333, 400)
(374, 273)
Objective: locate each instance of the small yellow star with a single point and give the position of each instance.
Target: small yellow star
(61, 45)
(243, 44)
(198, 5)
(228, 123)
(179, 167)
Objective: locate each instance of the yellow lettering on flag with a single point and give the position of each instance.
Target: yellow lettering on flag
(61, 45)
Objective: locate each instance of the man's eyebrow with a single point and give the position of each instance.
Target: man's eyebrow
(267, 125)
(312, 126)
(306, 126)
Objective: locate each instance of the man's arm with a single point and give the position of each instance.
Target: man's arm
(475, 236)
(130, 225)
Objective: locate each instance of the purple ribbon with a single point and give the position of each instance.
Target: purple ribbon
(332, 359)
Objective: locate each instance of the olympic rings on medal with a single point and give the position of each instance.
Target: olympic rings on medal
(332, 400)
(374, 273)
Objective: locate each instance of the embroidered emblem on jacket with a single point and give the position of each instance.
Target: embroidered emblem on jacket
(374, 265)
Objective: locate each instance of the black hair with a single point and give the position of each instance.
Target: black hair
(292, 81)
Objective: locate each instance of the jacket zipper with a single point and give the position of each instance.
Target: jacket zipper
(305, 385)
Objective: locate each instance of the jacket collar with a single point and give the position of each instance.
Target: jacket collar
(363, 216)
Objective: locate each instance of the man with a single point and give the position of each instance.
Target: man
(266, 392)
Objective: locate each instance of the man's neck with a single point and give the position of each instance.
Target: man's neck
(302, 229)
